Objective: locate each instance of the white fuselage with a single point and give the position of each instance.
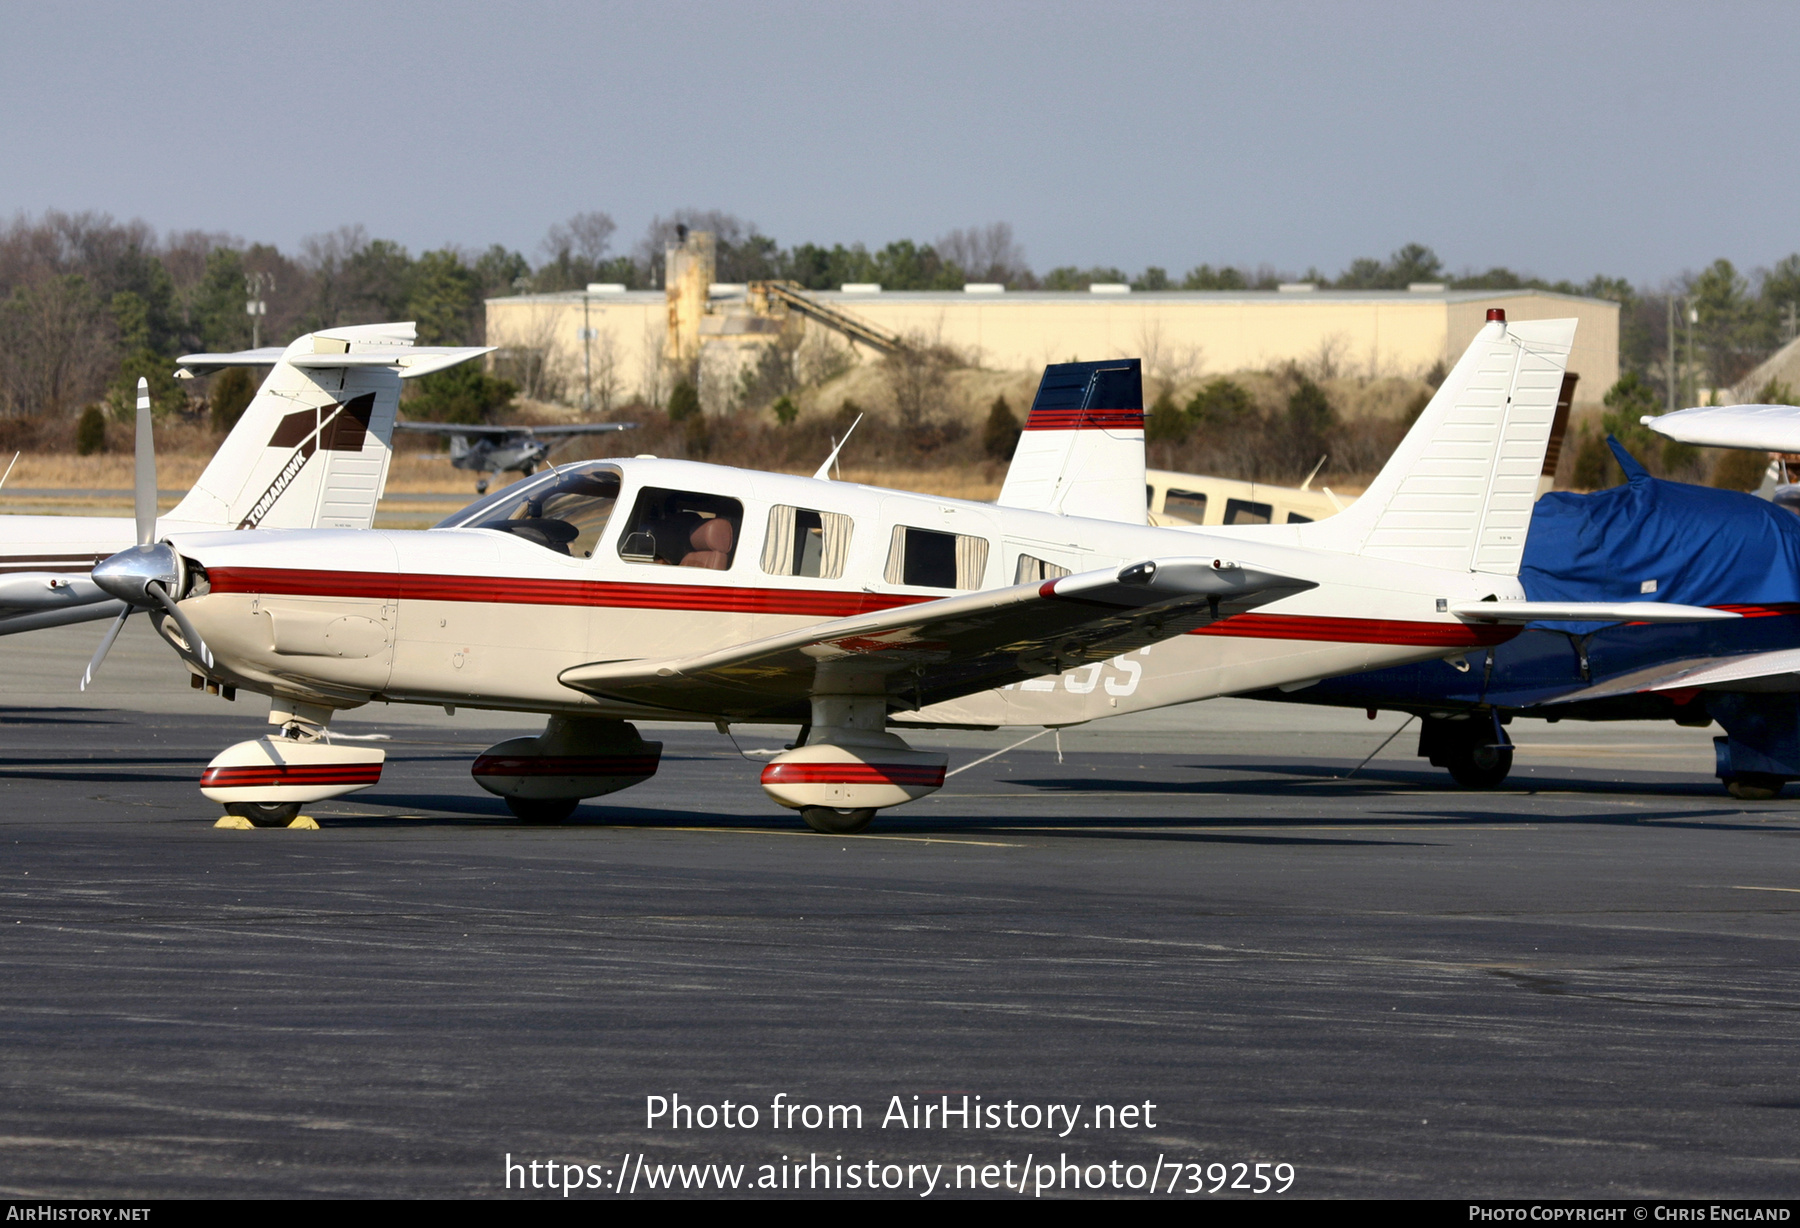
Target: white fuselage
(484, 618)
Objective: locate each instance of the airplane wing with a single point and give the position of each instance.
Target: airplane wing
(1760, 428)
(1522, 612)
(930, 651)
(580, 428)
(456, 428)
(1775, 671)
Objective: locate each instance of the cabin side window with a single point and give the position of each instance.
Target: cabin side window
(1243, 511)
(803, 542)
(1031, 570)
(1187, 506)
(926, 558)
(682, 528)
(1297, 518)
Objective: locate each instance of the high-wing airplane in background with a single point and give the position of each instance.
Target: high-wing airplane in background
(607, 591)
(500, 449)
(330, 395)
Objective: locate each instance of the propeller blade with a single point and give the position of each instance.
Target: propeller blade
(146, 468)
(106, 643)
(181, 620)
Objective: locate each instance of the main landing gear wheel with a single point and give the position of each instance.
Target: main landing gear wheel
(1480, 767)
(1754, 787)
(542, 810)
(265, 814)
(834, 822)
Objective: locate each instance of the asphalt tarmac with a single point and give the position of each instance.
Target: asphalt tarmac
(1584, 983)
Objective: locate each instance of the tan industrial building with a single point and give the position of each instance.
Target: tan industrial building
(623, 344)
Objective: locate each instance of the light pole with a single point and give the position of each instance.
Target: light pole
(255, 286)
(587, 357)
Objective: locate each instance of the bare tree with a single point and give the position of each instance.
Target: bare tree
(917, 379)
(605, 371)
(1165, 363)
(58, 346)
(528, 354)
(585, 237)
(985, 253)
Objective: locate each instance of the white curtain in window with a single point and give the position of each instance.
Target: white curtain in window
(971, 561)
(837, 544)
(1034, 570)
(896, 564)
(778, 546)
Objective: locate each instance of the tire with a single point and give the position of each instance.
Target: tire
(542, 810)
(1754, 787)
(265, 814)
(837, 822)
(1480, 767)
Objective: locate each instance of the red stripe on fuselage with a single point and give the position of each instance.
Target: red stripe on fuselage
(388, 586)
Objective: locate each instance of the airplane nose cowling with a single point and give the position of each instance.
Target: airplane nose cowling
(126, 574)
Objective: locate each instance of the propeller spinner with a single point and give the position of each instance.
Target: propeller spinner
(143, 576)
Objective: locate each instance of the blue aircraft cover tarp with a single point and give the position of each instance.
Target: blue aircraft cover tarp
(1701, 546)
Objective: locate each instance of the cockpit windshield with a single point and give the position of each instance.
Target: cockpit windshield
(565, 510)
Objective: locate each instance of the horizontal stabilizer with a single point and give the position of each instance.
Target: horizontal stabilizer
(1522, 612)
(932, 651)
(190, 365)
(1756, 671)
(411, 361)
(1758, 428)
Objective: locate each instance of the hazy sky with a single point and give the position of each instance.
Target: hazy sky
(1562, 139)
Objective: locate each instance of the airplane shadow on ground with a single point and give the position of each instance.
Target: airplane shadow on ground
(54, 716)
(441, 810)
(1322, 782)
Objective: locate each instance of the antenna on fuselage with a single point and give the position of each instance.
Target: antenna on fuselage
(823, 473)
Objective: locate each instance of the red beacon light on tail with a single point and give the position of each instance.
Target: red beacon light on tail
(1496, 314)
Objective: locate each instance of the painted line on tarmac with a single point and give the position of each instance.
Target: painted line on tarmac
(1795, 890)
(810, 835)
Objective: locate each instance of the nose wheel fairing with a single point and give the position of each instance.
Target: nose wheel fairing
(276, 769)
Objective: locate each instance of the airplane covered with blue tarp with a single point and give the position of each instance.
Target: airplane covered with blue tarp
(1647, 539)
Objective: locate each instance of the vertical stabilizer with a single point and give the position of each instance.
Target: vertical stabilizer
(313, 447)
(1082, 450)
(1458, 491)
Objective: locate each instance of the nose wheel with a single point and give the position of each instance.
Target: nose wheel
(834, 822)
(265, 814)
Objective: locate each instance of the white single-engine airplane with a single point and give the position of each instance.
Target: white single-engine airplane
(608, 591)
(331, 395)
